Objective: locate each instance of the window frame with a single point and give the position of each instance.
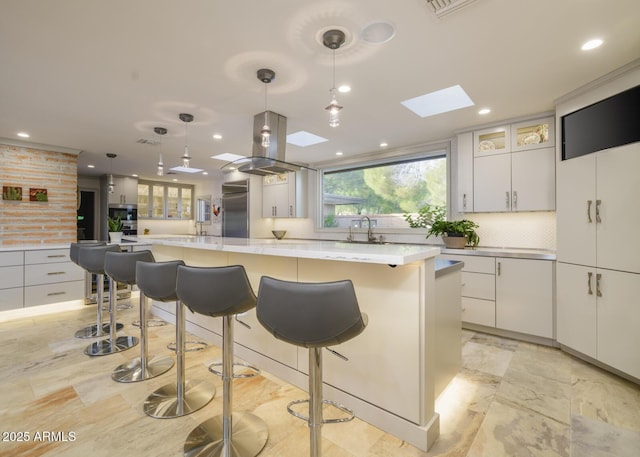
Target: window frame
(413, 153)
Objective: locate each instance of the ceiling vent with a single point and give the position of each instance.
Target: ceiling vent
(443, 7)
(147, 141)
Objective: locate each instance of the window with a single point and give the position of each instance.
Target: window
(383, 191)
(157, 200)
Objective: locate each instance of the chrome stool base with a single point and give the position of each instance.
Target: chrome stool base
(131, 371)
(253, 371)
(106, 347)
(350, 414)
(248, 437)
(189, 346)
(91, 331)
(164, 404)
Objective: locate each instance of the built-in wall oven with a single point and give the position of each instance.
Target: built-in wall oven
(128, 214)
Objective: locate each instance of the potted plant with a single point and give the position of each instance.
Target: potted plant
(115, 229)
(455, 234)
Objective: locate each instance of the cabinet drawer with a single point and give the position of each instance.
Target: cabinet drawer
(11, 299)
(11, 258)
(46, 256)
(50, 273)
(479, 285)
(474, 263)
(11, 277)
(53, 293)
(481, 312)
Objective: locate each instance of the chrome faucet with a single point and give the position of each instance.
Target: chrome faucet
(370, 237)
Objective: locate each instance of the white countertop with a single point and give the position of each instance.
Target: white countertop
(388, 254)
(33, 247)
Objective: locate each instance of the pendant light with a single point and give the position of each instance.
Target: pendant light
(186, 118)
(111, 185)
(266, 76)
(333, 39)
(160, 131)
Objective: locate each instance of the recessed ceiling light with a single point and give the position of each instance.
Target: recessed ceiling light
(175, 180)
(228, 157)
(384, 145)
(438, 102)
(23, 135)
(217, 136)
(91, 166)
(134, 175)
(484, 111)
(339, 153)
(591, 44)
(304, 139)
(344, 89)
(378, 32)
(205, 172)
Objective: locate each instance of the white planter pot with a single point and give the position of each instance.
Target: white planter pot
(115, 237)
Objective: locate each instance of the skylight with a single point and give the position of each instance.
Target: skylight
(186, 169)
(438, 102)
(304, 139)
(228, 157)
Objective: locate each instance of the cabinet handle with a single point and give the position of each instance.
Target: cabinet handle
(598, 291)
(589, 276)
(499, 268)
(589, 203)
(507, 200)
(55, 273)
(337, 354)
(56, 256)
(55, 293)
(242, 323)
(464, 201)
(274, 211)
(515, 199)
(598, 211)
(290, 210)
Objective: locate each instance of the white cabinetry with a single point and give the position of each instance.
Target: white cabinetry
(524, 296)
(51, 277)
(599, 274)
(11, 279)
(513, 167)
(284, 195)
(125, 191)
(464, 170)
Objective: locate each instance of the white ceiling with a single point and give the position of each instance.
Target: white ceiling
(97, 76)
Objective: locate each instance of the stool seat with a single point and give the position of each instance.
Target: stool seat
(311, 315)
(157, 280)
(222, 292)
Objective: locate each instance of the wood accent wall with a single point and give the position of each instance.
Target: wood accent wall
(25, 222)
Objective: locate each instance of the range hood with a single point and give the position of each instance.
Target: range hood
(271, 160)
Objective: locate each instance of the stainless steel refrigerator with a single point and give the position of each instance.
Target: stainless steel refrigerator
(235, 209)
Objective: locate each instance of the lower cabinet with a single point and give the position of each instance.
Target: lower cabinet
(599, 316)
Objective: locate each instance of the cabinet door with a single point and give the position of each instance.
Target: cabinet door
(618, 192)
(464, 173)
(524, 296)
(619, 320)
(534, 134)
(275, 200)
(492, 183)
(576, 219)
(495, 140)
(533, 180)
(576, 308)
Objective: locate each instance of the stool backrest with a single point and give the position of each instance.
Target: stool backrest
(121, 266)
(157, 280)
(74, 248)
(309, 314)
(215, 291)
(91, 258)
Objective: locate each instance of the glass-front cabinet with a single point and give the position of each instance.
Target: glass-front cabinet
(535, 134)
(158, 200)
(492, 141)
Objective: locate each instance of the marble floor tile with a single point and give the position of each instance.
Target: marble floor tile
(487, 359)
(593, 438)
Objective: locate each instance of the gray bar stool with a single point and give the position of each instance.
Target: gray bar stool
(91, 331)
(311, 315)
(157, 280)
(121, 267)
(222, 292)
(94, 258)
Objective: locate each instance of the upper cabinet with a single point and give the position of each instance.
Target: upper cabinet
(507, 168)
(284, 195)
(125, 191)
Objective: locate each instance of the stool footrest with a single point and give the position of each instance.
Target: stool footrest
(151, 323)
(190, 346)
(254, 371)
(350, 414)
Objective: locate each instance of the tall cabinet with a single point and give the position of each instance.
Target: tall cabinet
(598, 270)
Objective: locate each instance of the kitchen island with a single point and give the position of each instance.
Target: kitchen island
(390, 374)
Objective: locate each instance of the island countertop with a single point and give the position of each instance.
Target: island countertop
(388, 254)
